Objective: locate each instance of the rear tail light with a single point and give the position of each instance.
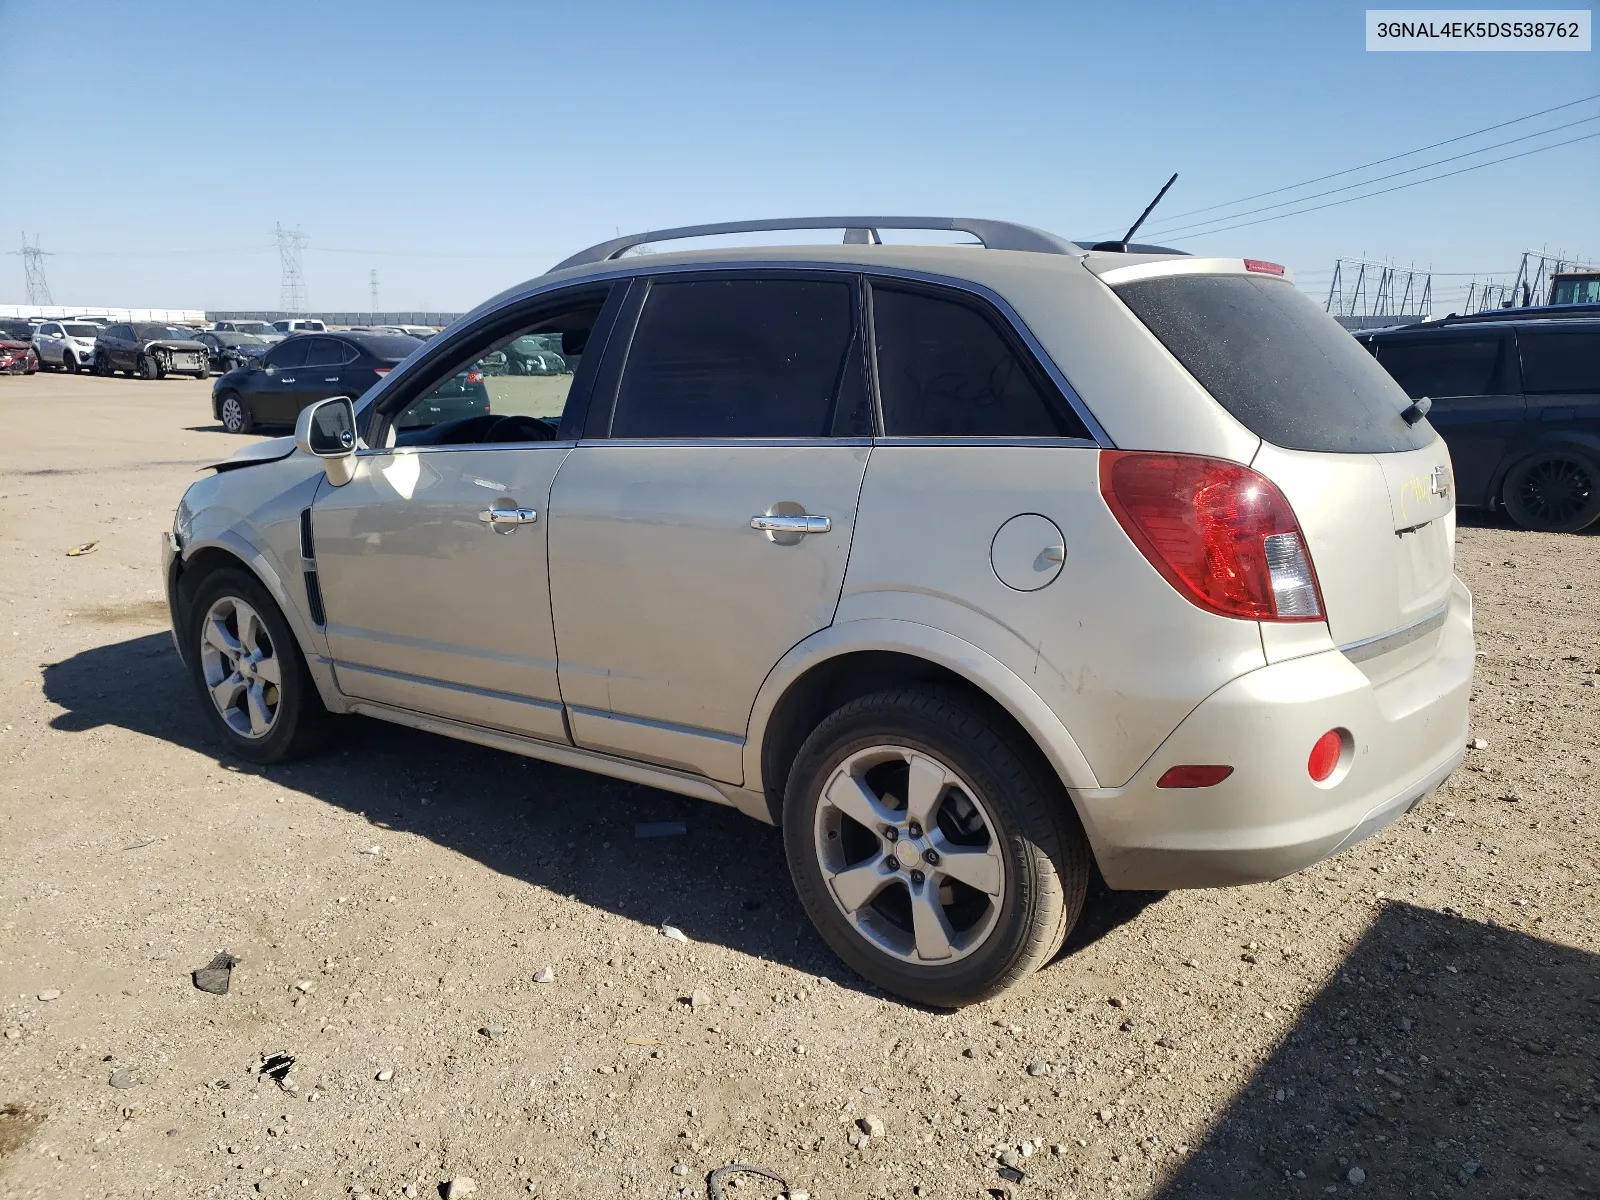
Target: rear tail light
(381, 371)
(1262, 267)
(1193, 776)
(1221, 534)
(474, 376)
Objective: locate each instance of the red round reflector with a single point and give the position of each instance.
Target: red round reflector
(1193, 776)
(1325, 755)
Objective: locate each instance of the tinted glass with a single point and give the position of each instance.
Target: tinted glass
(388, 347)
(1283, 367)
(288, 353)
(325, 352)
(945, 370)
(1459, 366)
(83, 331)
(20, 330)
(737, 358)
(1560, 361)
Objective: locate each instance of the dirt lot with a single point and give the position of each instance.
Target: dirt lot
(1419, 1017)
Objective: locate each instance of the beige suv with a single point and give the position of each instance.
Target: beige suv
(974, 568)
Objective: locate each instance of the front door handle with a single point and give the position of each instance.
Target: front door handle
(331, 379)
(506, 520)
(285, 379)
(802, 523)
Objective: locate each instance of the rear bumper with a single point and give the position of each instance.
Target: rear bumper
(1269, 819)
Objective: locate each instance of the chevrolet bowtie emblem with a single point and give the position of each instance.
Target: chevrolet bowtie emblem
(1439, 482)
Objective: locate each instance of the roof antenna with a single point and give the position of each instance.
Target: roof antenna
(1121, 247)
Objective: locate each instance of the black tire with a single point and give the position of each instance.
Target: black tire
(149, 368)
(1030, 827)
(69, 363)
(102, 365)
(241, 422)
(300, 724)
(1555, 491)
(204, 372)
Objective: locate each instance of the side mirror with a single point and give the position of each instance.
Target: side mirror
(327, 430)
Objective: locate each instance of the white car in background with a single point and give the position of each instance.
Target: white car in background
(300, 325)
(66, 345)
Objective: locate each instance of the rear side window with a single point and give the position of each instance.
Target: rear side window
(325, 352)
(1283, 367)
(1456, 366)
(739, 358)
(1560, 361)
(945, 370)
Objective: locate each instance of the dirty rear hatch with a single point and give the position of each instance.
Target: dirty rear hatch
(1372, 492)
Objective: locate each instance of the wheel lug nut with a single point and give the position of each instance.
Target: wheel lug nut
(917, 877)
(892, 863)
(915, 830)
(931, 857)
(891, 834)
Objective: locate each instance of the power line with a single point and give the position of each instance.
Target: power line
(1381, 161)
(1385, 191)
(1439, 162)
(34, 282)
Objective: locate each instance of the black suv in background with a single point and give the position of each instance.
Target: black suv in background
(1517, 400)
(272, 388)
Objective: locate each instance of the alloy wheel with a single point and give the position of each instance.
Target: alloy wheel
(910, 855)
(242, 670)
(232, 414)
(1555, 490)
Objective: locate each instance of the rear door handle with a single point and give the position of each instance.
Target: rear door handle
(331, 379)
(802, 523)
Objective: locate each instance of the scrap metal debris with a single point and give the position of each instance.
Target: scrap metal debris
(215, 976)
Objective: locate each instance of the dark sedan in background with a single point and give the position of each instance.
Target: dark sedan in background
(303, 368)
(149, 351)
(1517, 400)
(229, 350)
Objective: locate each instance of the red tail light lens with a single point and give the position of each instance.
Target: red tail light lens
(381, 371)
(1262, 266)
(1221, 534)
(474, 376)
(1193, 776)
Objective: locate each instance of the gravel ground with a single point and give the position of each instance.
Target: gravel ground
(469, 955)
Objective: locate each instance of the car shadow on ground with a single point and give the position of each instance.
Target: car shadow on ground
(1446, 1058)
(724, 881)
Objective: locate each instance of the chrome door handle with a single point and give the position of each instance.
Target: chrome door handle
(285, 379)
(506, 520)
(803, 523)
(331, 379)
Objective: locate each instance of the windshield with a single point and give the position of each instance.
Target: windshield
(242, 339)
(83, 331)
(162, 333)
(16, 329)
(1284, 368)
(253, 327)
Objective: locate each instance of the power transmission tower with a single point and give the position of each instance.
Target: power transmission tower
(35, 285)
(292, 281)
(1361, 288)
(374, 282)
(1532, 284)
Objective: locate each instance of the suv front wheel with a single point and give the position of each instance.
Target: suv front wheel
(248, 670)
(932, 851)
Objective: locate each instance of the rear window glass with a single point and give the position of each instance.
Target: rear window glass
(944, 370)
(1455, 366)
(739, 358)
(1277, 362)
(389, 346)
(1560, 361)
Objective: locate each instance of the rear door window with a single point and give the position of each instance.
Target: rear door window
(946, 370)
(1285, 369)
(1560, 361)
(324, 352)
(742, 358)
(1451, 366)
(288, 353)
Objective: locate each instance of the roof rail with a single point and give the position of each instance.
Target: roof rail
(995, 235)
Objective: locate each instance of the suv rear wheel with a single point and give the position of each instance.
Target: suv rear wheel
(233, 413)
(1554, 492)
(248, 669)
(931, 851)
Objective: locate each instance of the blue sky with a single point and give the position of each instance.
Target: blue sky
(459, 148)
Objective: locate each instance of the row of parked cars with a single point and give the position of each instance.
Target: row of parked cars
(153, 350)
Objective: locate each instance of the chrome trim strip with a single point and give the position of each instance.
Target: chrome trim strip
(446, 686)
(370, 451)
(724, 443)
(1053, 442)
(665, 726)
(1385, 642)
(566, 756)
